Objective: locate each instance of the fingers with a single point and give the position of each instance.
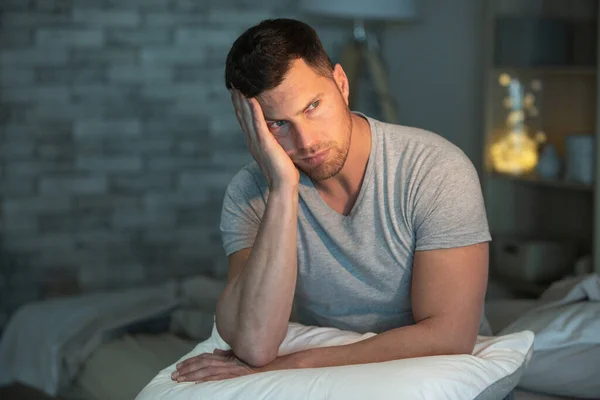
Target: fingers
(221, 364)
(187, 375)
(216, 378)
(207, 372)
(199, 358)
(247, 114)
(244, 115)
(236, 99)
(258, 119)
(223, 353)
(197, 363)
(248, 110)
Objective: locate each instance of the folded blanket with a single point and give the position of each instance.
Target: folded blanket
(46, 343)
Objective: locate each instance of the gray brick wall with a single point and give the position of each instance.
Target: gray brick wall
(117, 139)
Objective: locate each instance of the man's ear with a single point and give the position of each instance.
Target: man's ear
(341, 80)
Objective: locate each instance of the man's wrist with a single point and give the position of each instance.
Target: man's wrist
(301, 359)
(284, 198)
(289, 361)
(287, 189)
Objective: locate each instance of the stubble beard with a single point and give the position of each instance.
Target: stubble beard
(337, 157)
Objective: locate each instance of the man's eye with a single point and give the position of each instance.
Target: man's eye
(315, 104)
(277, 124)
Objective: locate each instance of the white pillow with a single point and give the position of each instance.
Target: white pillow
(491, 372)
(566, 352)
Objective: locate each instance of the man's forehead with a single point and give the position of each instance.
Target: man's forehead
(298, 80)
(288, 98)
(282, 107)
(277, 98)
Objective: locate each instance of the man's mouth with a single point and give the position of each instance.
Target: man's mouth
(316, 158)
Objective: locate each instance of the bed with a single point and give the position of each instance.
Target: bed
(500, 314)
(119, 369)
(566, 321)
(156, 326)
(106, 345)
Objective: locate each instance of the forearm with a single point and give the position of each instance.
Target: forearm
(427, 338)
(254, 309)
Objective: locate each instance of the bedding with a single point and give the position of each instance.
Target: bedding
(571, 372)
(566, 323)
(46, 343)
(120, 368)
(491, 372)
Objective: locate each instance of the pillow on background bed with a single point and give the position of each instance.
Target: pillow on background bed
(491, 372)
(566, 352)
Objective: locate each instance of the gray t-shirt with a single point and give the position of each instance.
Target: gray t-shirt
(420, 192)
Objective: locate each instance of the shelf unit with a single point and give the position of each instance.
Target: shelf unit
(527, 205)
(549, 71)
(533, 179)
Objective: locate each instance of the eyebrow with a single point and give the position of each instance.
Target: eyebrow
(315, 98)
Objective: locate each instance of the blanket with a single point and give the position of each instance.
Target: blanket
(46, 343)
(566, 323)
(568, 312)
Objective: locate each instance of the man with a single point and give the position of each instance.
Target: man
(362, 225)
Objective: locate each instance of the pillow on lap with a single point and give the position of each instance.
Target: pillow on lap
(491, 372)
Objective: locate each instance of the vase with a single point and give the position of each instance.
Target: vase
(549, 163)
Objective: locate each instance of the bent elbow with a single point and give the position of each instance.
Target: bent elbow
(257, 347)
(222, 330)
(262, 358)
(460, 347)
(256, 356)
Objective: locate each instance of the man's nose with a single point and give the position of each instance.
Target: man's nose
(305, 137)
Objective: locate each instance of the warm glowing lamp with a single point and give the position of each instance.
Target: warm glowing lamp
(516, 151)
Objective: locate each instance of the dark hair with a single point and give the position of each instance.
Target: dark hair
(260, 58)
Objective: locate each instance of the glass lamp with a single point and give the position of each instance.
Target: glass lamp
(515, 148)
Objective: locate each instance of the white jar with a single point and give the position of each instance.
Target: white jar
(580, 160)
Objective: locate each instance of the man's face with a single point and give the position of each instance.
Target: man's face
(308, 114)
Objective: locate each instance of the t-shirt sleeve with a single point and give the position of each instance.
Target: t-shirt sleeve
(242, 211)
(448, 207)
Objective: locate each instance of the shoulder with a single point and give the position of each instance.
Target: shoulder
(249, 182)
(420, 150)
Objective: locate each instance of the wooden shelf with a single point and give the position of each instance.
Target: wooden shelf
(562, 70)
(567, 103)
(536, 180)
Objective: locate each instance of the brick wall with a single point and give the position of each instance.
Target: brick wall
(117, 139)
